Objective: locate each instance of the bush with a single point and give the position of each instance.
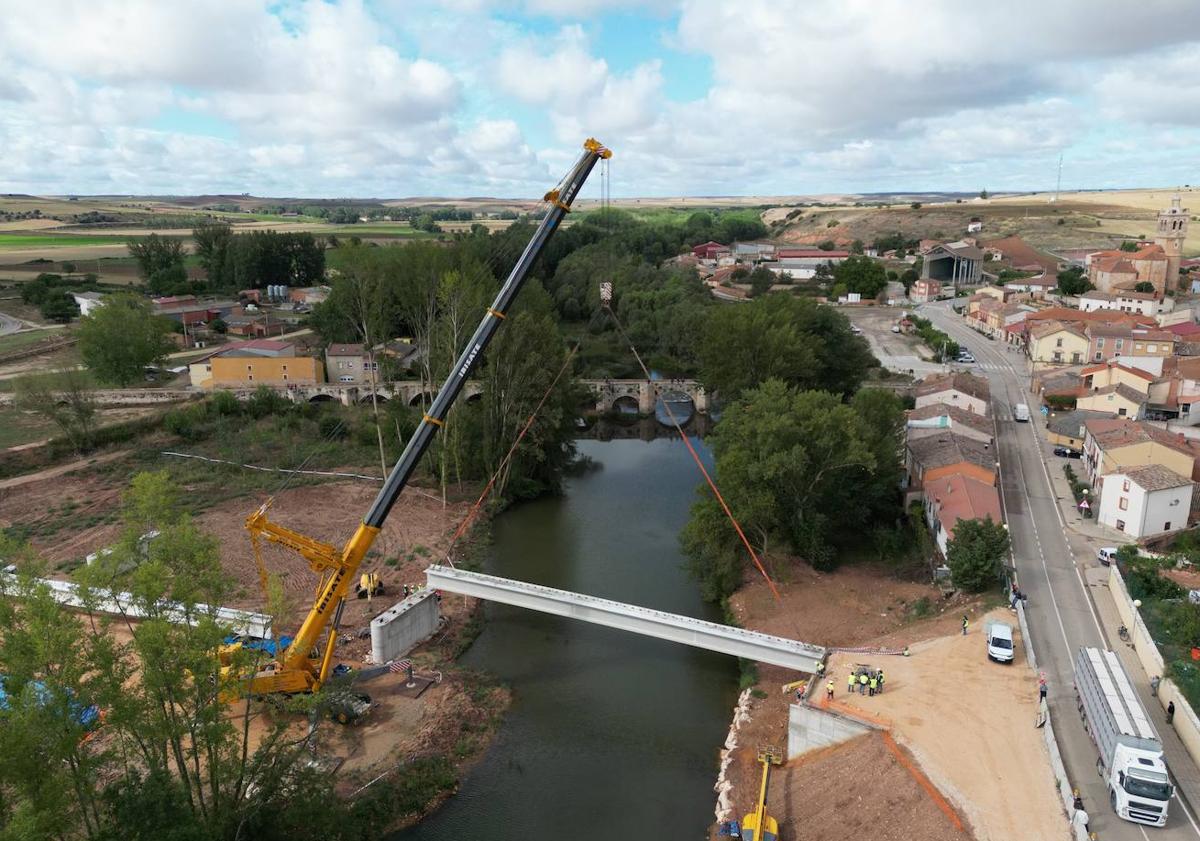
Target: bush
(224, 403)
(331, 427)
(266, 401)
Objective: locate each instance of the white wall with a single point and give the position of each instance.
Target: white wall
(1170, 505)
(954, 398)
(1110, 504)
(1148, 512)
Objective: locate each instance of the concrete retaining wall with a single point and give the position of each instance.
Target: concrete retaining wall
(398, 630)
(810, 728)
(1061, 781)
(1139, 634)
(1187, 725)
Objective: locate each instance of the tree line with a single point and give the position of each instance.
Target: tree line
(230, 261)
(113, 730)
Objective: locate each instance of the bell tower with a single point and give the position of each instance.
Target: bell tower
(1170, 234)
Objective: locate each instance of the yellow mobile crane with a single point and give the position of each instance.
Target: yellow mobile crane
(297, 669)
(758, 825)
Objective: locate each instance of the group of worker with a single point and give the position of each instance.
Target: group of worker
(863, 679)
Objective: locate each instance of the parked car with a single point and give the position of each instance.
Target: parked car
(1067, 452)
(1107, 555)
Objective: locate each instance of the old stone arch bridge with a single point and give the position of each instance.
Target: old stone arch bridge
(628, 396)
(619, 396)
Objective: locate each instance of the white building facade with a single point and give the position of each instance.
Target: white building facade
(1145, 501)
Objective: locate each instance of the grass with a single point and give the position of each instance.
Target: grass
(13, 242)
(17, 427)
(19, 341)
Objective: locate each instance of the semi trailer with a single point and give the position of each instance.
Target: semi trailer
(1131, 756)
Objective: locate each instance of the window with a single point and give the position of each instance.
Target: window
(1123, 504)
(285, 377)
(285, 367)
(1151, 348)
(1100, 342)
(1125, 486)
(1120, 411)
(1058, 343)
(1099, 356)
(345, 379)
(1120, 525)
(250, 377)
(1167, 525)
(1120, 343)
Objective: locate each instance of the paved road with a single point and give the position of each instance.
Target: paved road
(1052, 560)
(8, 324)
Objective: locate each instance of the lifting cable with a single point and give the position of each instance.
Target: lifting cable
(696, 458)
(487, 489)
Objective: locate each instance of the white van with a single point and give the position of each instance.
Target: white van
(999, 642)
(1107, 555)
(1021, 413)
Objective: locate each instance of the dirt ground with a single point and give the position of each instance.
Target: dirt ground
(823, 795)
(415, 535)
(865, 606)
(973, 734)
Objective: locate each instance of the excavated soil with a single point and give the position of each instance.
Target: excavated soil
(854, 791)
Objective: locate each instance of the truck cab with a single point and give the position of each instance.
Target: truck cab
(1139, 788)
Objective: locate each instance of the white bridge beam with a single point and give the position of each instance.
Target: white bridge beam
(725, 639)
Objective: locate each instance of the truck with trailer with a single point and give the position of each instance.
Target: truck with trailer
(1131, 756)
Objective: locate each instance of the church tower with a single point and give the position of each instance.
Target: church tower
(1172, 230)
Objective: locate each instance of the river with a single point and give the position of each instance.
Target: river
(610, 735)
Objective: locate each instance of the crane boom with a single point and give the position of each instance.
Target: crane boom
(297, 670)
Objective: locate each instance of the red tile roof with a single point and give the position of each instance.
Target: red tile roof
(1106, 365)
(960, 497)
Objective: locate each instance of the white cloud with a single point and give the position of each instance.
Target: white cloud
(404, 97)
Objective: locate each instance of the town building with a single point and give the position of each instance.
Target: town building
(1121, 271)
(1169, 235)
(1056, 342)
(309, 295)
(1142, 303)
(254, 363)
(1065, 429)
(935, 457)
(924, 291)
(1117, 445)
(958, 497)
(1110, 341)
(960, 389)
(954, 264)
(710, 250)
(349, 364)
(1146, 501)
(934, 418)
(88, 302)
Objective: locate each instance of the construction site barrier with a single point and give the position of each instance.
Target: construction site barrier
(866, 649)
(1061, 781)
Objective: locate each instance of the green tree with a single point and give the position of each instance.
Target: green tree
(58, 305)
(792, 463)
(983, 194)
(212, 241)
(976, 554)
(861, 274)
(118, 340)
(1144, 286)
(784, 337)
(64, 399)
(1073, 281)
(156, 256)
(1129, 245)
(761, 281)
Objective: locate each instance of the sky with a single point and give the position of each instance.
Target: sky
(398, 98)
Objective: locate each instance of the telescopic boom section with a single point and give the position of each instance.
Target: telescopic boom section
(298, 672)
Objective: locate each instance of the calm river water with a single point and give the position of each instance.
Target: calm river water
(610, 735)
